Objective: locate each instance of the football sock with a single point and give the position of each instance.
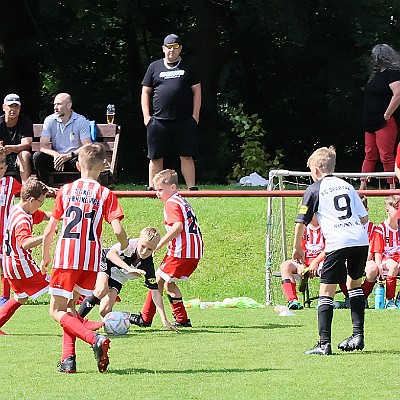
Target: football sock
(343, 288)
(357, 306)
(5, 287)
(325, 316)
(68, 345)
(390, 287)
(87, 305)
(289, 289)
(7, 311)
(149, 308)
(179, 311)
(74, 327)
(367, 287)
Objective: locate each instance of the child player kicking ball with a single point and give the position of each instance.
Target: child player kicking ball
(117, 268)
(341, 216)
(82, 205)
(185, 249)
(19, 267)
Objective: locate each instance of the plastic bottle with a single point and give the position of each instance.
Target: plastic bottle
(379, 296)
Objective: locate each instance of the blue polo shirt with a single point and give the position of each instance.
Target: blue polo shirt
(67, 137)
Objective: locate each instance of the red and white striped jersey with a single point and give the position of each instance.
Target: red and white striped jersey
(18, 263)
(9, 187)
(189, 244)
(370, 228)
(82, 205)
(386, 241)
(313, 241)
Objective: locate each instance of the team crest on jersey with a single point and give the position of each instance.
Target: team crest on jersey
(303, 209)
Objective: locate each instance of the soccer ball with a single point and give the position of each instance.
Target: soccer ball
(116, 323)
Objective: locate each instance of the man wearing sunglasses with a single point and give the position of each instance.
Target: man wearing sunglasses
(171, 100)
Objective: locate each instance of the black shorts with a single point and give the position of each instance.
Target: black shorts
(340, 263)
(171, 137)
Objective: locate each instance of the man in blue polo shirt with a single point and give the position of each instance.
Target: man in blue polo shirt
(64, 132)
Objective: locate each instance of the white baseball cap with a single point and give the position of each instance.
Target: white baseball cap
(12, 98)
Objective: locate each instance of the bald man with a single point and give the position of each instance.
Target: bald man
(64, 132)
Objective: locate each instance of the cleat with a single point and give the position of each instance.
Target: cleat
(183, 324)
(80, 299)
(118, 299)
(136, 319)
(100, 348)
(390, 305)
(193, 188)
(92, 325)
(339, 304)
(347, 302)
(3, 333)
(354, 342)
(3, 300)
(295, 305)
(320, 349)
(68, 365)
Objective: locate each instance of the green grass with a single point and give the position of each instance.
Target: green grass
(230, 353)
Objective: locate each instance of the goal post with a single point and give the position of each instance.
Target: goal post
(287, 187)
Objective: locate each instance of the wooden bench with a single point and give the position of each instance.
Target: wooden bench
(108, 134)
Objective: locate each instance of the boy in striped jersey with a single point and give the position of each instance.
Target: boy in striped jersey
(25, 277)
(82, 205)
(185, 249)
(9, 187)
(385, 247)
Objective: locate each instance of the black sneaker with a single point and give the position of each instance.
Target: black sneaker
(354, 342)
(68, 365)
(100, 348)
(150, 189)
(183, 324)
(136, 319)
(320, 349)
(193, 188)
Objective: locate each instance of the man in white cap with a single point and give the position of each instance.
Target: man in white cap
(171, 100)
(16, 133)
(64, 132)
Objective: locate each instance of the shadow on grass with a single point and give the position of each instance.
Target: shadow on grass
(132, 371)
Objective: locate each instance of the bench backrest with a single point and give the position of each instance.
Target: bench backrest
(108, 134)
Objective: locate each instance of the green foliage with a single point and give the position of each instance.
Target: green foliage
(253, 157)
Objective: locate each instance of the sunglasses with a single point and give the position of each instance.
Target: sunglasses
(172, 46)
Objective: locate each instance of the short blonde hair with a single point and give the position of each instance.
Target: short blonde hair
(92, 156)
(324, 159)
(150, 234)
(166, 177)
(392, 201)
(32, 187)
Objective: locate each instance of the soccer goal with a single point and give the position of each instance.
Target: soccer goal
(287, 189)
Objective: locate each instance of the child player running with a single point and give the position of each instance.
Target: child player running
(117, 268)
(82, 205)
(341, 216)
(20, 269)
(9, 187)
(185, 249)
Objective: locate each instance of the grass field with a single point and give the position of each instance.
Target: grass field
(229, 353)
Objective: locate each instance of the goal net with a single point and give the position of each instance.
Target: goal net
(282, 207)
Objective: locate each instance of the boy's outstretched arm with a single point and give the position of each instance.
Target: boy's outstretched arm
(158, 301)
(120, 233)
(172, 233)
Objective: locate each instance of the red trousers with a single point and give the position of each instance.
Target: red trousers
(380, 145)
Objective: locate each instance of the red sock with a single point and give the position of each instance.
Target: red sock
(5, 287)
(367, 287)
(68, 345)
(390, 287)
(149, 308)
(179, 311)
(344, 290)
(74, 327)
(7, 311)
(289, 289)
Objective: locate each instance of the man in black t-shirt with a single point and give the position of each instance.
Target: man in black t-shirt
(171, 100)
(16, 133)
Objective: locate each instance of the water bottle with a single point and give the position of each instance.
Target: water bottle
(379, 296)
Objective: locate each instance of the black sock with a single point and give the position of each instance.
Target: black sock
(357, 306)
(87, 304)
(325, 316)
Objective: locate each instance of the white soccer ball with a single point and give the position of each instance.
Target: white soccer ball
(116, 323)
